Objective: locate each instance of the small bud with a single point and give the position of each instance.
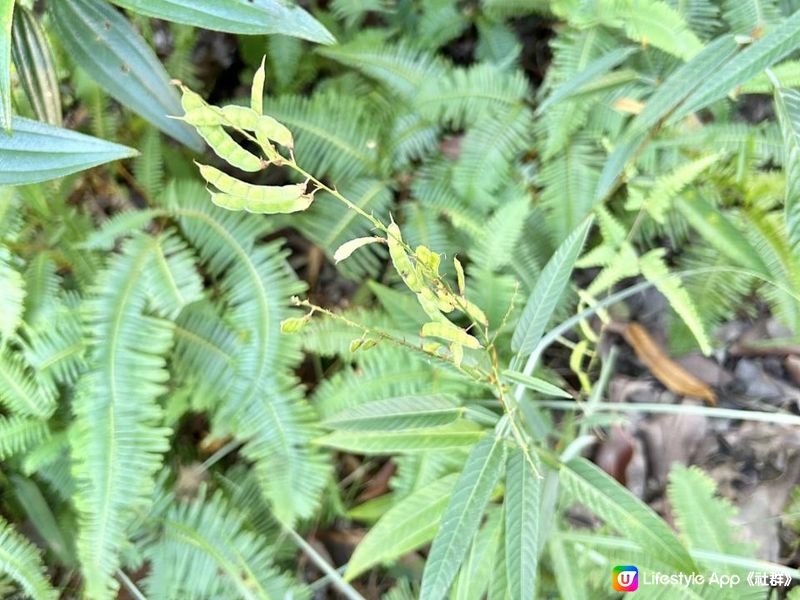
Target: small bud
(294, 324)
(356, 344)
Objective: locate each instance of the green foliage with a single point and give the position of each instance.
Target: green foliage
(179, 417)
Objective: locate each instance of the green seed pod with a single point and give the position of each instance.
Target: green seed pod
(401, 261)
(459, 276)
(205, 116)
(227, 201)
(473, 311)
(356, 344)
(428, 258)
(250, 192)
(257, 89)
(265, 127)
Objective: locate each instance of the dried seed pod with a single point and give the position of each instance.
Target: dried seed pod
(401, 261)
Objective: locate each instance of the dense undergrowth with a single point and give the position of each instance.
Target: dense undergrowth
(376, 303)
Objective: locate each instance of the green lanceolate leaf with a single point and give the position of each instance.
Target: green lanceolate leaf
(35, 67)
(409, 524)
(6, 18)
(454, 435)
(391, 414)
(717, 230)
(463, 516)
(594, 70)
(255, 17)
(535, 384)
(603, 495)
(99, 39)
(787, 104)
(522, 498)
(35, 152)
(763, 53)
(547, 292)
(20, 560)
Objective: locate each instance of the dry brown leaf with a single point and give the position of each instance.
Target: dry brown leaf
(674, 377)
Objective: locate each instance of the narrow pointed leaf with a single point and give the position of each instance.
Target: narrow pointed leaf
(763, 53)
(6, 18)
(255, 17)
(35, 67)
(522, 498)
(101, 41)
(454, 435)
(391, 414)
(603, 495)
(787, 104)
(463, 516)
(547, 292)
(409, 524)
(35, 152)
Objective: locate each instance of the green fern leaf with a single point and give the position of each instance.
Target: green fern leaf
(655, 270)
(205, 551)
(705, 521)
(17, 434)
(22, 392)
(13, 296)
(20, 560)
(787, 103)
(117, 442)
(263, 404)
(399, 66)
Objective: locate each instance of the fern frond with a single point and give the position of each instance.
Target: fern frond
(206, 352)
(463, 96)
(20, 560)
(57, 348)
(41, 286)
(353, 12)
(496, 247)
(334, 135)
(148, 167)
(172, 280)
(17, 434)
(205, 551)
(655, 270)
(117, 442)
(747, 17)
(705, 521)
(383, 372)
(702, 16)
(13, 296)
(262, 404)
(397, 65)
(569, 181)
(22, 391)
(489, 149)
(440, 22)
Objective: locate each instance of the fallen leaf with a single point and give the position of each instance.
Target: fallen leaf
(674, 377)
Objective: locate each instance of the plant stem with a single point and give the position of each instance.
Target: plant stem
(337, 580)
